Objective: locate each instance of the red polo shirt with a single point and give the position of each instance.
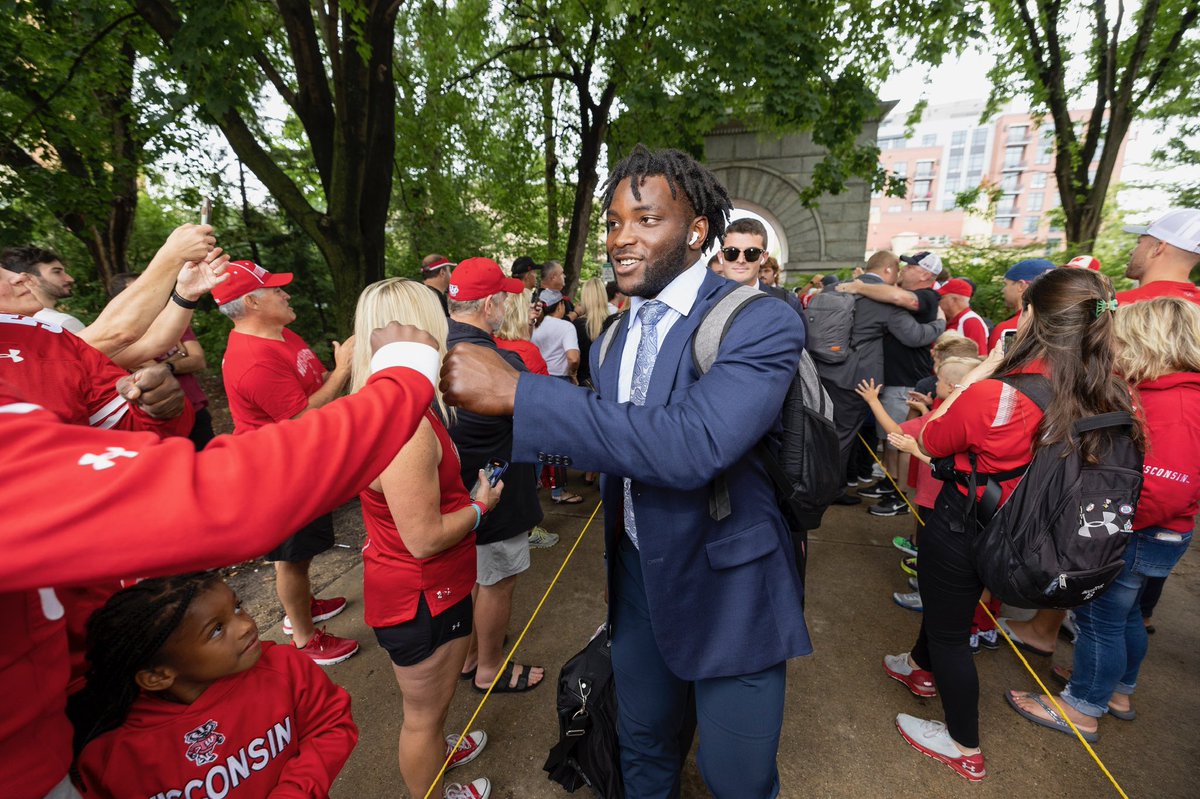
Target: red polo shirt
(1159, 288)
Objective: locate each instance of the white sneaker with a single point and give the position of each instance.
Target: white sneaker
(909, 601)
(479, 789)
(912, 583)
(470, 748)
(540, 538)
(877, 471)
(931, 739)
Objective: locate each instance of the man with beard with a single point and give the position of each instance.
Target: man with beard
(704, 604)
(50, 283)
(478, 294)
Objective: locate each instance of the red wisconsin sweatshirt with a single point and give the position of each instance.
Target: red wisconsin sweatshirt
(281, 729)
(1171, 408)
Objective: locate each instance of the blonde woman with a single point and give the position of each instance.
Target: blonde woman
(515, 330)
(593, 311)
(419, 559)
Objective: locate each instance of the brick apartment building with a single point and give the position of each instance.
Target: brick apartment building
(949, 151)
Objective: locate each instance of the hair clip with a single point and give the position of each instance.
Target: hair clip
(1105, 305)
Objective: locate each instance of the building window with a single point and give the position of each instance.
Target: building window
(924, 169)
(1018, 133)
(1011, 182)
(1008, 204)
(979, 138)
(900, 168)
(1031, 225)
(1001, 239)
(1037, 180)
(1046, 133)
(1053, 246)
(921, 189)
(922, 205)
(929, 140)
(948, 201)
(1013, 156)
(975, 164)
(1055, 200)
(1004, 222)
(895, 209)
(955, 163)
(1033, 202)
(874, 213)
(1045, 153)
(958, 138)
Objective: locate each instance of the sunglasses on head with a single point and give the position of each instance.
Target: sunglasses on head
(732, 253)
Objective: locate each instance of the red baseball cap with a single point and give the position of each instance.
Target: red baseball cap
(476, 278)
(1084, 262)
(245, 277)
(956, 286)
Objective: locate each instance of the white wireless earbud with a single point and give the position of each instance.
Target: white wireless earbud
(694, 237)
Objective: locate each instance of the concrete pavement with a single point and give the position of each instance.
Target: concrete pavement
(839, 738)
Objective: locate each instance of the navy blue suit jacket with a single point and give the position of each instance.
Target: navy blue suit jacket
(724, 597)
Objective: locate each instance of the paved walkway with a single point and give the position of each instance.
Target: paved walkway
(839, 739)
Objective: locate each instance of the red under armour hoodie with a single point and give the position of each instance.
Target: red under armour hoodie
(1171, 408)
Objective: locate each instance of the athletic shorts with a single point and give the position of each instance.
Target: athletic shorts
(502, 559)
(413, 641)
(309, 541)
(894, 400)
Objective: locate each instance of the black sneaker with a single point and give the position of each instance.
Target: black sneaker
(878, 491)
(893, 506)
(846, 499)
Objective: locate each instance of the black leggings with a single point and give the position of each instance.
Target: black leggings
(950, 588)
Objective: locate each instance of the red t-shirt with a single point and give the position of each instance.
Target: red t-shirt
(993, 420)
(394, 580)
(1159, 288)
(998, 330)
(970, 324)
(267, 380)
(281, 728)
(920, 473)
(528, 351)
(1172, 468)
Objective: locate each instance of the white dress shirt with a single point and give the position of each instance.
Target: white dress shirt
(679, 296)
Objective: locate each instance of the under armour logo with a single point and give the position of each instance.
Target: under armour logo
(13, 355)
(1085, 529)
(106, 459)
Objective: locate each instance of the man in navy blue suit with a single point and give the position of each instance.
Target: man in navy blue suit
(702, 603)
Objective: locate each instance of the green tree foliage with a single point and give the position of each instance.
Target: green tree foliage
(79, 120)
(665, 72)
(1123, 64)
(331, 62)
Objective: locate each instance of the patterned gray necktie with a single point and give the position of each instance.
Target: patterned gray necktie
(643, 366)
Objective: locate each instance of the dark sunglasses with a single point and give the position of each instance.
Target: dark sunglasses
(732, 253)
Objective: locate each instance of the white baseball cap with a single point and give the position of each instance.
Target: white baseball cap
(1179, 227)
(931, 262)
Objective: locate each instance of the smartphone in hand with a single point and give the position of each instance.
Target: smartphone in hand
(493, 471)
(206, 211)
(1006, 340)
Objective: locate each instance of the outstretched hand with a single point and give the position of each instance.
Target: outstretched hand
(198, 278)
(904, 443)
(477, 379)
(868, 390)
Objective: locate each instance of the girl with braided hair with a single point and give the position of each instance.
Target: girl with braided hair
(183, 697)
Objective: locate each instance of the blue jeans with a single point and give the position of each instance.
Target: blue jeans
(1111, 642)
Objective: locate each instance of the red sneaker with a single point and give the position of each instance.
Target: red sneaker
(322, 610)
(470, 748)
(931, 739)
(919, 681)
(326, 649)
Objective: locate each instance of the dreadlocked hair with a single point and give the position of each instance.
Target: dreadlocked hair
(1076, 341)
(701, 187)
(124, 637)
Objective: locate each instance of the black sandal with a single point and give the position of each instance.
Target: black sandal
(504, 678)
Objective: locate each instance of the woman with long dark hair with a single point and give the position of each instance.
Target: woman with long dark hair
(1065, 335)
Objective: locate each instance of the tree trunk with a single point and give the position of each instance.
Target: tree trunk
(593, 128)
(551, 157)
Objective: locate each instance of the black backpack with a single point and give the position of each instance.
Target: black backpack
(1058, 540)
(587, 751)
(804, 473)
(830, 317)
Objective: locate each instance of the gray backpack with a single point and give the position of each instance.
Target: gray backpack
(830, 317)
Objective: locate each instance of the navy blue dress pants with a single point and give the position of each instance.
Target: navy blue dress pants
(738, 718)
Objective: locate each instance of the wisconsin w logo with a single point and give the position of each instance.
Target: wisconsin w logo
(1107, 522)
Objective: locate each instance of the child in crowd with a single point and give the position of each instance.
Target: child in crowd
(904, 436)
(183, 698)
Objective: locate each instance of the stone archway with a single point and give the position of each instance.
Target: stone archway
(765, 173)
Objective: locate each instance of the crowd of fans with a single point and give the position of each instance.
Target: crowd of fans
(451, 515)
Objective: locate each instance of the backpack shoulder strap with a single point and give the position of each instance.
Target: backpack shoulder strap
(716, 322)
(1034, 386)
(607, 339)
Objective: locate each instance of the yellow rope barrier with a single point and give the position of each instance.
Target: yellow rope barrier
(1046, 691)
(437, 781)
